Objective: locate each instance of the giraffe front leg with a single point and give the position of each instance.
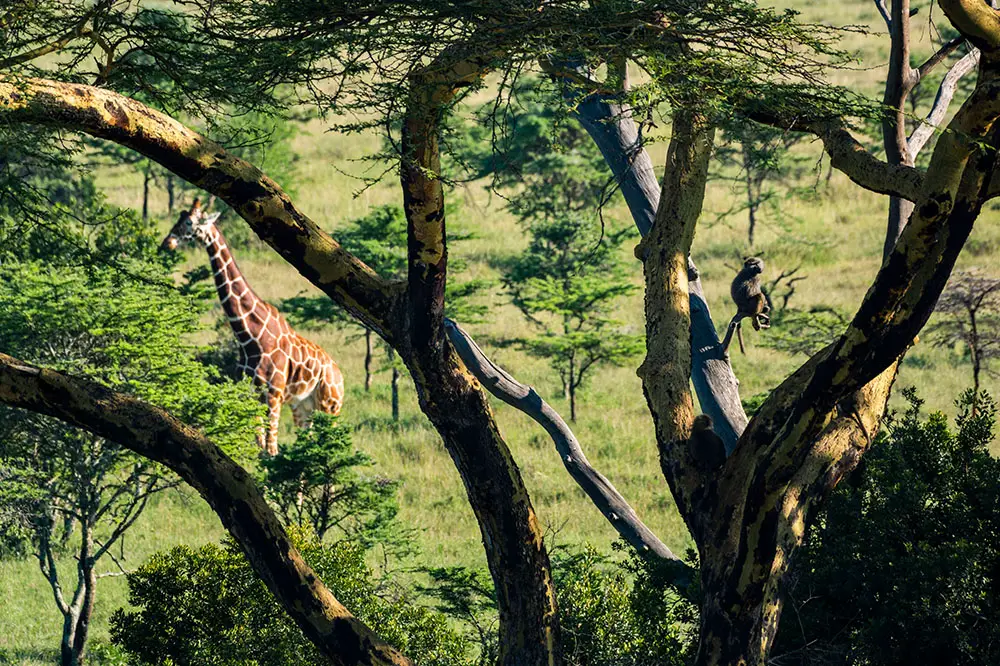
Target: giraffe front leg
(270, 444)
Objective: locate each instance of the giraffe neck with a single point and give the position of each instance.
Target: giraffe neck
(235, 294)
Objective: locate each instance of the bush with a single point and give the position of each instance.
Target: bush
(903, 563)
(610, 613)
(208, 606)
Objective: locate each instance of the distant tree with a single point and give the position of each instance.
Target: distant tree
(761, 155)
(534, 151)
(902, 565)
(318, 481)
(969, 312)
(566, 284)
(62, 484)
(206, 606)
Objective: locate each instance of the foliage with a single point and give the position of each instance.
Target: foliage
(761, 155)
(58, 479)
(903, 565)
(543, 159)
(207, 606)
(316, 481)
(566, 283)
(611, 613)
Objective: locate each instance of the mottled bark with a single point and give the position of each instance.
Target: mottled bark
(613, 129)
(453, 399)
(205, 164)
(227, 487)
(664, 255)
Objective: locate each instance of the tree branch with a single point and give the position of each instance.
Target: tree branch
(946, 92)
(228, 488)
(849, 156)
(946, 50)
(666, 370)
(203, 163)
(599, 489)
(613, 129)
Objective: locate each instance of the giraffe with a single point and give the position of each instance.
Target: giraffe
(287, 366)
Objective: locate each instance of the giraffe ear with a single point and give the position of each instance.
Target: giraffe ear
(212, 218)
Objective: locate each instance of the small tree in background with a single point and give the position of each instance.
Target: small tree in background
(566, 283)
(761, 154)
(568, 280)
(63, 485)
(317, 481)
(969, 312)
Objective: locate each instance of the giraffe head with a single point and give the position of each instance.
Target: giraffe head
(192, 224)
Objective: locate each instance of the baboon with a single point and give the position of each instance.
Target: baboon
(707, 448)
(750, 301)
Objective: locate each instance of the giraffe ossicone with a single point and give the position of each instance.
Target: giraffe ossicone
(290, 368)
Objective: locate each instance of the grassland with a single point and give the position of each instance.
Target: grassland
(835, 235)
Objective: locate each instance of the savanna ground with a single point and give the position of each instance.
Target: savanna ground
(831, 228)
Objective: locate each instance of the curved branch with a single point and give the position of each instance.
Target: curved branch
(154, 434)
(206, 164)
(976, 20)
(602, 493)
(946, 50)
(849, 156)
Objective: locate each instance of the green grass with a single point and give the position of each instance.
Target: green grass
(836, 237)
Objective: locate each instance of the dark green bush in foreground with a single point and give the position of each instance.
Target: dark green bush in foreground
(902, 565)
(206, 606)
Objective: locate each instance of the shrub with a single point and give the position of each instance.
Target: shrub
(208, 606)
(903, 563)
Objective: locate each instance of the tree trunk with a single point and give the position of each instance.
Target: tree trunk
(170, 195)
(395, 395)
(82, 633)
(145, 193)
(369, 351)
(571, 391)
(898, 85)
(611, 125)
(753, 198)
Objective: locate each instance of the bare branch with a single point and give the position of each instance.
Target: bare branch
(884, 11)
(946, 92)
(599, 489)
(946, 50)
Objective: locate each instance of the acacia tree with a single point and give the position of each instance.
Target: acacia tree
(746, 517)
(968, 310)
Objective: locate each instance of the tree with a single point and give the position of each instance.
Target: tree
(902, 564)
(969, 309)
(64, 484)
(412, 62)
(316, 482)
(566, 283)
(762, 155)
